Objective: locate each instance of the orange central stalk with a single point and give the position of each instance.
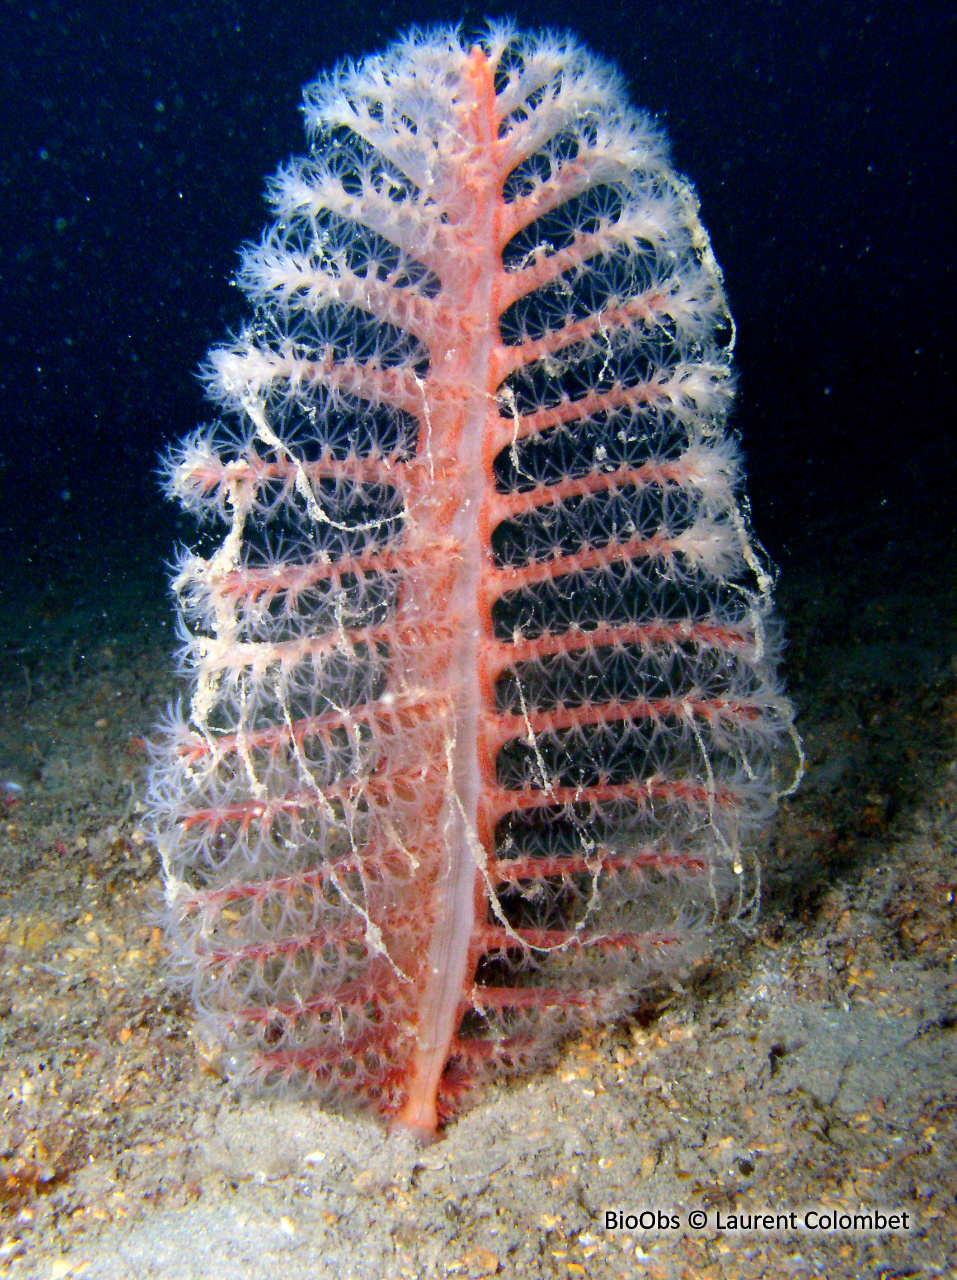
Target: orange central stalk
(458, 399)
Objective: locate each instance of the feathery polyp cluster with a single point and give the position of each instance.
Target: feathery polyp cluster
(483, 711)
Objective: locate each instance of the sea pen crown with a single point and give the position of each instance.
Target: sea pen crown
(483, 709)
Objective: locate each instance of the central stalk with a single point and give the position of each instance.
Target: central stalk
(458, 388)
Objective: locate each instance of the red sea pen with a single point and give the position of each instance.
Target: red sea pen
(483, 709)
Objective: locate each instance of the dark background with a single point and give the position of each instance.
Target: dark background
(136, 141)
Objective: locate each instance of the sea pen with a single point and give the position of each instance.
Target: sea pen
(483, 709)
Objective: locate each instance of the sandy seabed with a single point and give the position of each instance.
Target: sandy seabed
(805, 1071)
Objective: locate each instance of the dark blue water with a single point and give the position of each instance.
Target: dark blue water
(135, 147)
